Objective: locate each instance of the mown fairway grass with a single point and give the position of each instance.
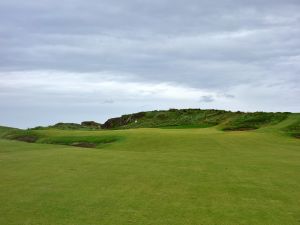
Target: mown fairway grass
(153, 176)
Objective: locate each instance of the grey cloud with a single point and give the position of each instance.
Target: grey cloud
(207, 98)
(228, 95)
(108, 101)
(214, 46)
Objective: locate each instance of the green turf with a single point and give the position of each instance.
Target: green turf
(195, 176)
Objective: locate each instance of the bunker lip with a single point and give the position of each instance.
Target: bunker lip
(240, 129)
(81, 141)
(84, 144)
(297, 136)
(29, 139)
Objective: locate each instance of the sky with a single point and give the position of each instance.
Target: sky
(71, 61)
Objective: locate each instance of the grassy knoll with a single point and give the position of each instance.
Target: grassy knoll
(153, 176)
(59, 137)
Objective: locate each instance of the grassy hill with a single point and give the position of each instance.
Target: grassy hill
(172, 119)
(195, 118)
(180, 118)
(213, 175)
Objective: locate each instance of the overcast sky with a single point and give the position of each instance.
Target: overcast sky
(91, 60)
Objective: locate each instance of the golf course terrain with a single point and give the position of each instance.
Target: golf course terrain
(175, 167)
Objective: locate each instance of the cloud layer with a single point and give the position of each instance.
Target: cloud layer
(76, 60)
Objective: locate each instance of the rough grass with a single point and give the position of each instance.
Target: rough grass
(252, 121)
(86, 125)
(22, 135)
(4, 130)
(294, 129)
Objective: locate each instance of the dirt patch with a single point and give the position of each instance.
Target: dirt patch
(239, 129)
(29, 139)
(84, 145)
(244, 129)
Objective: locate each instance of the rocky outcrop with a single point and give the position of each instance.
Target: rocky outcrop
(123, 120)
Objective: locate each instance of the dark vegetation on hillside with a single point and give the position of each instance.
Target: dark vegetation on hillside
(189, 118)
(180, 118)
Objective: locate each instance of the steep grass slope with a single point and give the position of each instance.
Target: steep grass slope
(154, 176)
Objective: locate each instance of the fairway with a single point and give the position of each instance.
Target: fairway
(153, 176)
